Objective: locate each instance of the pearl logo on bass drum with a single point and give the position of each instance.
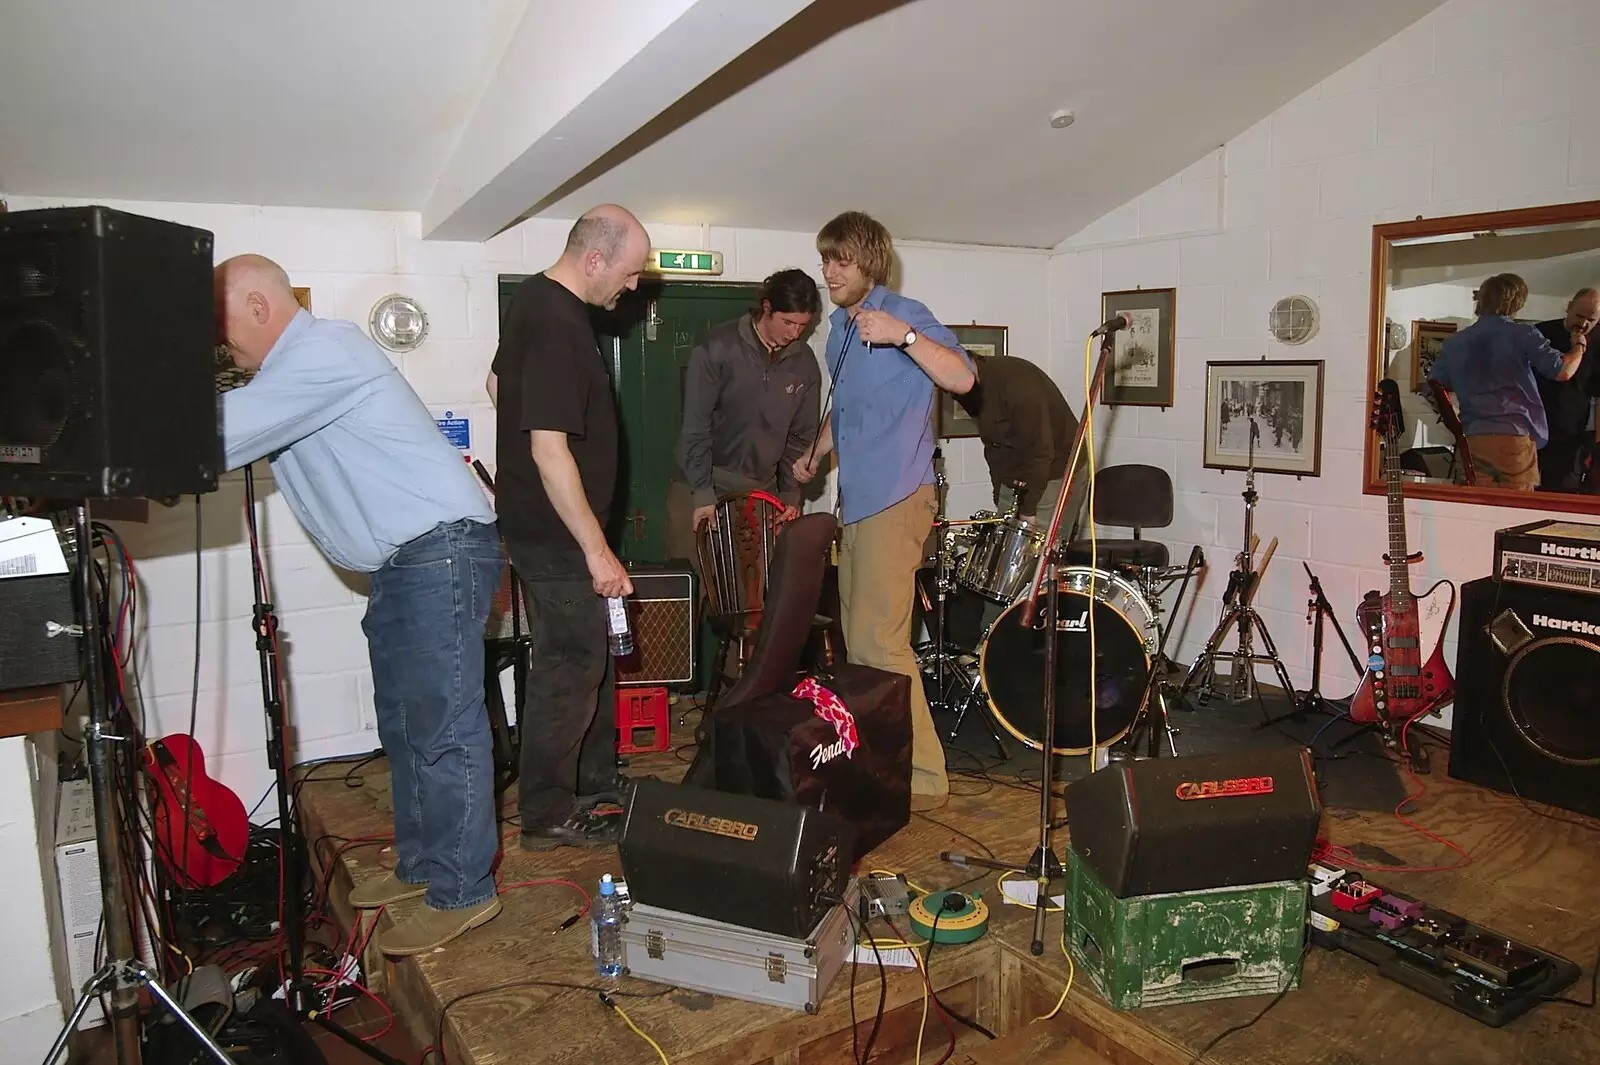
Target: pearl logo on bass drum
(1224, 789)
(716, 826)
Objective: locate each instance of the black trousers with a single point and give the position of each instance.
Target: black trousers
(569, 726)
(1558, 461)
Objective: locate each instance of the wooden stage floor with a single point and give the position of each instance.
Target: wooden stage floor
(1532, 877)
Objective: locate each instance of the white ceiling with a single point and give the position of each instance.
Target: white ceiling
(934, 116)
(359, 103)
(353, 103)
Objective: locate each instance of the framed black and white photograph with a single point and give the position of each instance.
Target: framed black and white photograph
(1140, 371)
(1268, 414)
(981, 342)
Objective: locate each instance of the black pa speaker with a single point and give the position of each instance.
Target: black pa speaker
(107, 341)
(772, 866)
(1527, 710)
(1202, 821)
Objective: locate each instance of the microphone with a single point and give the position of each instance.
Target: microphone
(1111, 325)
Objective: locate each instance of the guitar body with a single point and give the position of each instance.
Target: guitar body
(201, 827)
(1406, 670)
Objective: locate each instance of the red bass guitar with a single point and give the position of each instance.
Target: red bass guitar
(201, 827)
(1406, 671)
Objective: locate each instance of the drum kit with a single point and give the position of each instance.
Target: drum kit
(973, 592)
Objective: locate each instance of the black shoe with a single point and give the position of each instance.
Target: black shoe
(613, 793)
(582, 829)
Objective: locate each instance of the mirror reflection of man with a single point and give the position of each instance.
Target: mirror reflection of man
(1490, 366)
(1568, 404)
(1027, 430)
(750, 403)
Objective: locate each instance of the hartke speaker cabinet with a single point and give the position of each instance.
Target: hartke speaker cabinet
(107, 341)
(1527, 711)
(1201, 821)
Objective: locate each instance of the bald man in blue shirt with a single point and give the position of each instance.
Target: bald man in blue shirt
(364, 468)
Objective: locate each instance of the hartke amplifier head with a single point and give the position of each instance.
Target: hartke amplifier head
(1201, 821)
(1527, 690)
(756, 863)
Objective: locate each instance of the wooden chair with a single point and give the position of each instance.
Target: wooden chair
(735, 554)
(506, 645)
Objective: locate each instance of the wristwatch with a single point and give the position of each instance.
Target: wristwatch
(911, 338)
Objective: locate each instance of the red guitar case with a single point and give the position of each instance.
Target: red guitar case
(839, 742)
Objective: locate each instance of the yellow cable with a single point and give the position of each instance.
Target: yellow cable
(999, 883)
(1072, 971)
(662, 1054)
(923, 1024)
(1094, 543)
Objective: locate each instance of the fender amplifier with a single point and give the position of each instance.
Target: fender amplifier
(855, 762)
(38, 644)
(772, 866)
(1202, 821)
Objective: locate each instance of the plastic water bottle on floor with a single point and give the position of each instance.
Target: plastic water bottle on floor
(606, 930)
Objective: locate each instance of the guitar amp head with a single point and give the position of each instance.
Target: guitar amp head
(1557, 554)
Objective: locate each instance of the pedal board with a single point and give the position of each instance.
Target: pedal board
(1473, 970)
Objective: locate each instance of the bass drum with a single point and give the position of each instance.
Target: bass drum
(1011, 662)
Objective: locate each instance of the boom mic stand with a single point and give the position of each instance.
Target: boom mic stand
(265, 624)
(1318, 608)
(123, 973)
(1043, 866)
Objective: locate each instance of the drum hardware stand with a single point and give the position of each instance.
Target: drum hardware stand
(123, 973)
(1318, 608)
(1158, 689)
(1043, 866)
(1239, 607)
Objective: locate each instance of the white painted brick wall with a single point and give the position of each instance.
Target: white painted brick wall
(350, 259)
(1478, 106)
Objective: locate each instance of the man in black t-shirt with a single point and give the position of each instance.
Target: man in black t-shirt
(1567, 404)
(1027, 428)
(556, 445)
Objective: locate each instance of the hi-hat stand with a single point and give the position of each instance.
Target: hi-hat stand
(1043, 866)
(1239, 609)
(123, 974)
(291, 844)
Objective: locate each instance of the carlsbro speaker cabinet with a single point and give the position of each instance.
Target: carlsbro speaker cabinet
(772, 866)
(1527, 710)
(1202, 821)
(107, 342)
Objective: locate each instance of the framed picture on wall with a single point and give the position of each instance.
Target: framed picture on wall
(1426, 340)
(1140, 371)
(981, 342)
(1266, 413)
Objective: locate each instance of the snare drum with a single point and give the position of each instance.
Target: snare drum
(1011, 662)
(1002, 560)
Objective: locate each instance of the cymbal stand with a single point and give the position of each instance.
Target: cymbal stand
(1157, 688)
(1239, 609)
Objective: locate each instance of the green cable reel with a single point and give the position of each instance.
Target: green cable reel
(962, 918)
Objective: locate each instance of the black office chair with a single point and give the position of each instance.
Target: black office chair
(1132, 496)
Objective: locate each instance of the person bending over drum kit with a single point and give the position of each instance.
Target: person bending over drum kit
(1027, 428)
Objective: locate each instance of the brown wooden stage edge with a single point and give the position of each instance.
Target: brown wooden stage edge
(1531, 877)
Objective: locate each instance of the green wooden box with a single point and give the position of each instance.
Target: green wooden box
(1156, 950)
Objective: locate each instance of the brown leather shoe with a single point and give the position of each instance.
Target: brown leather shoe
(382, 890)
(428, 928)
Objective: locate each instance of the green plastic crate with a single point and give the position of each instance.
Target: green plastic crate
(1156, 950)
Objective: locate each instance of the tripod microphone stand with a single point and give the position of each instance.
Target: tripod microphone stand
(123, 973)
(1043, 865)
(291, 844)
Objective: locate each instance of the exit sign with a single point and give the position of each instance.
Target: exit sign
(670, 261)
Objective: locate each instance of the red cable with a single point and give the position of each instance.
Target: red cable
(587, 901)
(359, 986)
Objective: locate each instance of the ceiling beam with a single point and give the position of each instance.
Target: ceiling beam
(576, 79)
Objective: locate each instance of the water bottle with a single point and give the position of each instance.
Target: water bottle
(619, 634)
(606, 930)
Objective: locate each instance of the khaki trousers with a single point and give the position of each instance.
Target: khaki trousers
(878, 559)
(1510, 461)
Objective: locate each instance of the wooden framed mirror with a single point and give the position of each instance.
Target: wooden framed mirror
(1425, 278)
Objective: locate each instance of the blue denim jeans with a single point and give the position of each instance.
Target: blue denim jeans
(424, 626)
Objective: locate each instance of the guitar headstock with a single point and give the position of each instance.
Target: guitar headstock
(1387, 418)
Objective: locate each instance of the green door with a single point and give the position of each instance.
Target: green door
(647, 340)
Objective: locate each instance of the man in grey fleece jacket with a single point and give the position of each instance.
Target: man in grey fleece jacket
(749, 408)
